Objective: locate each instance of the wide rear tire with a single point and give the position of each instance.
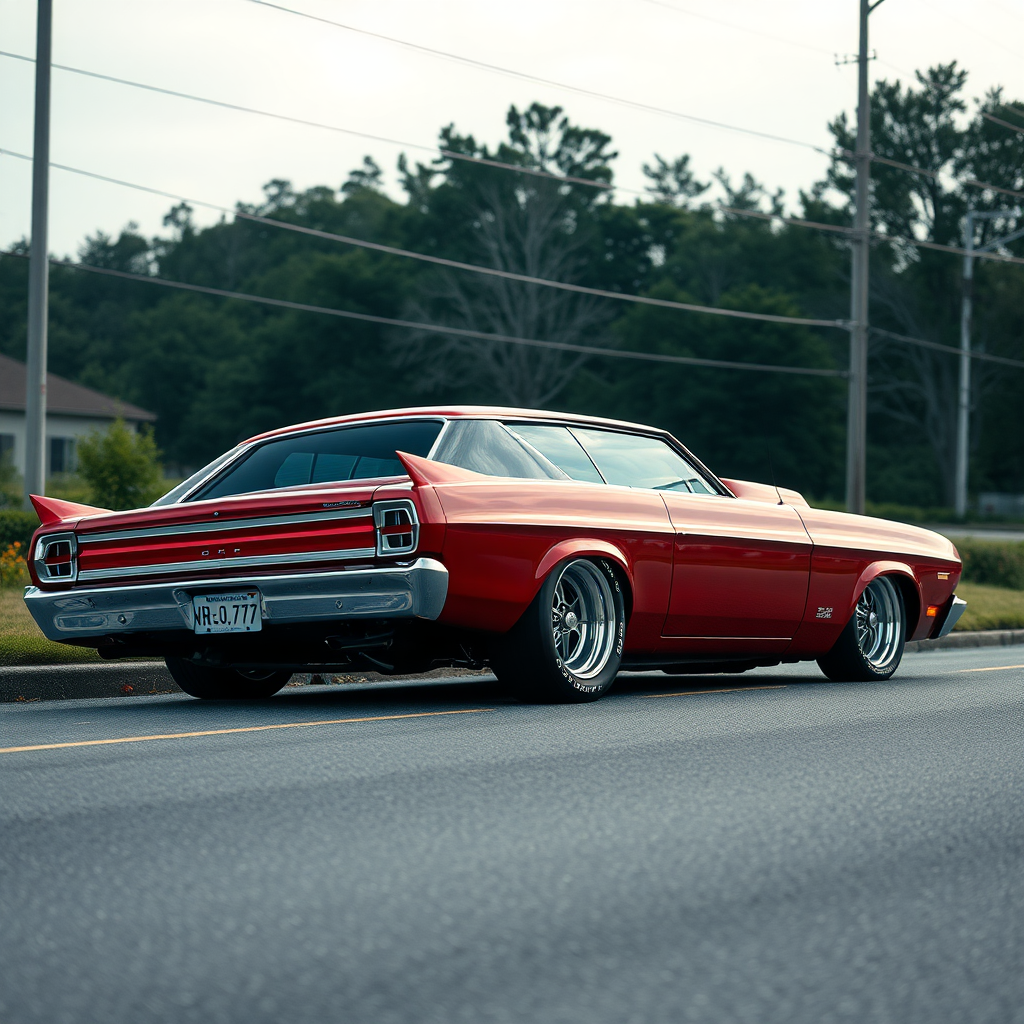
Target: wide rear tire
(217, 683)
(567, 647)
(871, 644)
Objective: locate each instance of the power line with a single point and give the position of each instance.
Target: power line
(460, 332)
(484, 66)
(742, 28)
(1017, 363)
(446, 153)
(458, 265)
(544, 282)
(452, 155)
(1004, 124)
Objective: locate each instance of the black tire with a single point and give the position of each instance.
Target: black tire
(218, 683)
(870, 647)
(545, 657)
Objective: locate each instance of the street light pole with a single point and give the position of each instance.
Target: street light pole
(38, 273)
(856, 429)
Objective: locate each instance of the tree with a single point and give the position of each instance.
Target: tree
(915, 291)
(120, 466)
(529, 225)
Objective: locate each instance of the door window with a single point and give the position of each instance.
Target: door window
(633, 460)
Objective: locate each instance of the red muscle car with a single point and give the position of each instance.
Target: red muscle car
(554, 548)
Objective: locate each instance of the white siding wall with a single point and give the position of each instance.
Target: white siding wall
(57, 425)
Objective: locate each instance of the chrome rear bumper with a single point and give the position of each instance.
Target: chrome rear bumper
(417, 590)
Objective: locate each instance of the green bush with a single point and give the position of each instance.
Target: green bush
(16, 526)
(10, 482)
(121, 467)
(993, 563)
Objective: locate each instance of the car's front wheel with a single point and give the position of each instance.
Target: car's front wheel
(567, 646)
(219, 683)
(870, 646)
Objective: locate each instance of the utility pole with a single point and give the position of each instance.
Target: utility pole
(39, 268)
(856, 429)
(963, 412)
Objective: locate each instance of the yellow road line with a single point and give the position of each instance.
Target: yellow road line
(695, 693)
(224, 732)
(993, 668)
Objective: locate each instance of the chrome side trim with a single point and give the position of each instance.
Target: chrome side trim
(956, 609)
(207, 563)
(224, 524)
(416, 590)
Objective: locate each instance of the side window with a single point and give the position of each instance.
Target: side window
(485, 446)
(561, 448)
(636, 461)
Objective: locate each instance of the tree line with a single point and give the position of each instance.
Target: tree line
(217, 370)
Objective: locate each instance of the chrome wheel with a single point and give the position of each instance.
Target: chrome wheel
(583, 619)
(879, 623)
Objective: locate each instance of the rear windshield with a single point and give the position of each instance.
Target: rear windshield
(327, 456)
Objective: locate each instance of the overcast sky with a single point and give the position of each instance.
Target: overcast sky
(758, 64)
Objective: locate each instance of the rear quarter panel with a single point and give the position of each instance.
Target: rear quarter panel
(503, 537)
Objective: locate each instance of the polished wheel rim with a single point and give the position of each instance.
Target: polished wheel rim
(583, 619)
(879, 623)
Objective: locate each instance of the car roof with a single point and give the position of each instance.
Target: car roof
(457, 412)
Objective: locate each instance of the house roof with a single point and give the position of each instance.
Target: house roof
(64, 396)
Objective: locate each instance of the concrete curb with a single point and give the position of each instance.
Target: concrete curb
(113, 679)
(981, 638)
(71, 682)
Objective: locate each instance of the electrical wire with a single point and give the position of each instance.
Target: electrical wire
(984, 356)
(515, 168)
(471, 267)
(446, 153)
(742, 28)
(525, 76)
(1004, 124)
(459, 332)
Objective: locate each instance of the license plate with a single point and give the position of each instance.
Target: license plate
(227, 613)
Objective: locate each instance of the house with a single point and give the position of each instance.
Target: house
(72, 411)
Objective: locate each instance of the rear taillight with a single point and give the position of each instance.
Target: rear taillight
(56, 558)
(397, 525)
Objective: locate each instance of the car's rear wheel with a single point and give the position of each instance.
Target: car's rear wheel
(870, 646)
(567, 646)
(219, 683)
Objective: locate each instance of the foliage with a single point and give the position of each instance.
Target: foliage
(10, 482)
(216, 371)
(17, 526)
(120, 466)
(13, 569)
(994, 563)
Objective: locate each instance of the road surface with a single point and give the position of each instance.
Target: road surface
(789, 850)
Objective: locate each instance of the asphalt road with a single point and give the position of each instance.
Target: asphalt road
(810, 852)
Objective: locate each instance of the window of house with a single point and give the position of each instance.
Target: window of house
(62, 454)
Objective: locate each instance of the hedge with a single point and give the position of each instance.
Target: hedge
(999, 564)
(16, 525)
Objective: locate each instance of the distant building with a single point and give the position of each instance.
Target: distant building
(72, 411)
